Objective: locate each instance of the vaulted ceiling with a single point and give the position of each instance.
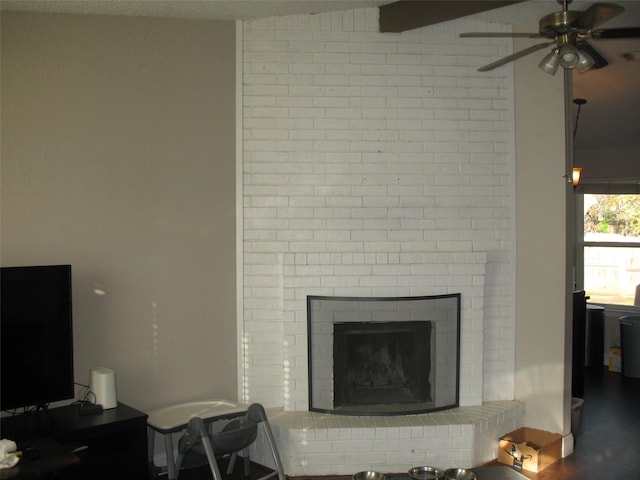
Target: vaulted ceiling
(611, 116)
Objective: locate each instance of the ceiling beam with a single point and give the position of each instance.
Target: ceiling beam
(409, 14)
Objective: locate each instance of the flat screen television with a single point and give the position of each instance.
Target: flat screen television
(36, 336)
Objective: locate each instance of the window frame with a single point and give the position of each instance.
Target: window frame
(581, 243)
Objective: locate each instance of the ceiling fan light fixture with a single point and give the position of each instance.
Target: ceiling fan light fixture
(569, 32)
(569, 56)
(550, 62)
(585, 62)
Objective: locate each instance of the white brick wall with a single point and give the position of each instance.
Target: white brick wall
(374, 165)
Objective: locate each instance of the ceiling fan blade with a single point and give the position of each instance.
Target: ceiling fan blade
(630, 32)
(409, 14)
(516, 55)
(586, 47)
(595, 15)
(499, 35)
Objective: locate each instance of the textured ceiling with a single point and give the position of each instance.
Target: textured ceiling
(203, 9)
(248, 9)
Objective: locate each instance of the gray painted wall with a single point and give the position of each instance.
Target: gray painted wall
(118, 157)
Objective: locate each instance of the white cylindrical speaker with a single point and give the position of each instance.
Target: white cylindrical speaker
(103, 386)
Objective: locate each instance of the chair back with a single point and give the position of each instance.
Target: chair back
(236, 435)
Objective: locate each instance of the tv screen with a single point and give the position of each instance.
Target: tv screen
(36, 336)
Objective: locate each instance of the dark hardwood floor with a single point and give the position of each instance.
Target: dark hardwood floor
(607, 443)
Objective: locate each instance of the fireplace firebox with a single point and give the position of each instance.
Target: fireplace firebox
(383, 356)
(381, 363)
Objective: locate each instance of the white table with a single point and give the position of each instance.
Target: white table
(174, 418)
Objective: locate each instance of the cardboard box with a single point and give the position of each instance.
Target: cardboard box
(615, 359)
(529, 449)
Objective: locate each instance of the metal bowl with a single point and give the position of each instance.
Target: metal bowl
(368, 475)
(459, 474)
(426, 473)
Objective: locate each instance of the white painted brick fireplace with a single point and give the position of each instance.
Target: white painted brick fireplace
(376, 165)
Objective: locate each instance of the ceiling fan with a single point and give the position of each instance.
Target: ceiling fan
(569, 32)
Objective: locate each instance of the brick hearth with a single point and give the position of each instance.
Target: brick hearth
(323, 444)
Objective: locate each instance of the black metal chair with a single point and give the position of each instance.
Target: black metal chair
(197, 447)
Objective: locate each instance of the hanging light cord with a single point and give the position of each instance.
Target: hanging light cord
(579, 102)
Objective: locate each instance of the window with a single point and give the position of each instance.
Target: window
(611, 248)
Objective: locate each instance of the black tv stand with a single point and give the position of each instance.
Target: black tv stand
(66, 445)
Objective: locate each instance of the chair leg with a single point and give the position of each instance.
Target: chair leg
(274, 451)
(232, 462)
(178, 465)
(246, 462)
(213, 464)
(256, 411)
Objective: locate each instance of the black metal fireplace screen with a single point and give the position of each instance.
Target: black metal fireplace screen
(383, 356)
